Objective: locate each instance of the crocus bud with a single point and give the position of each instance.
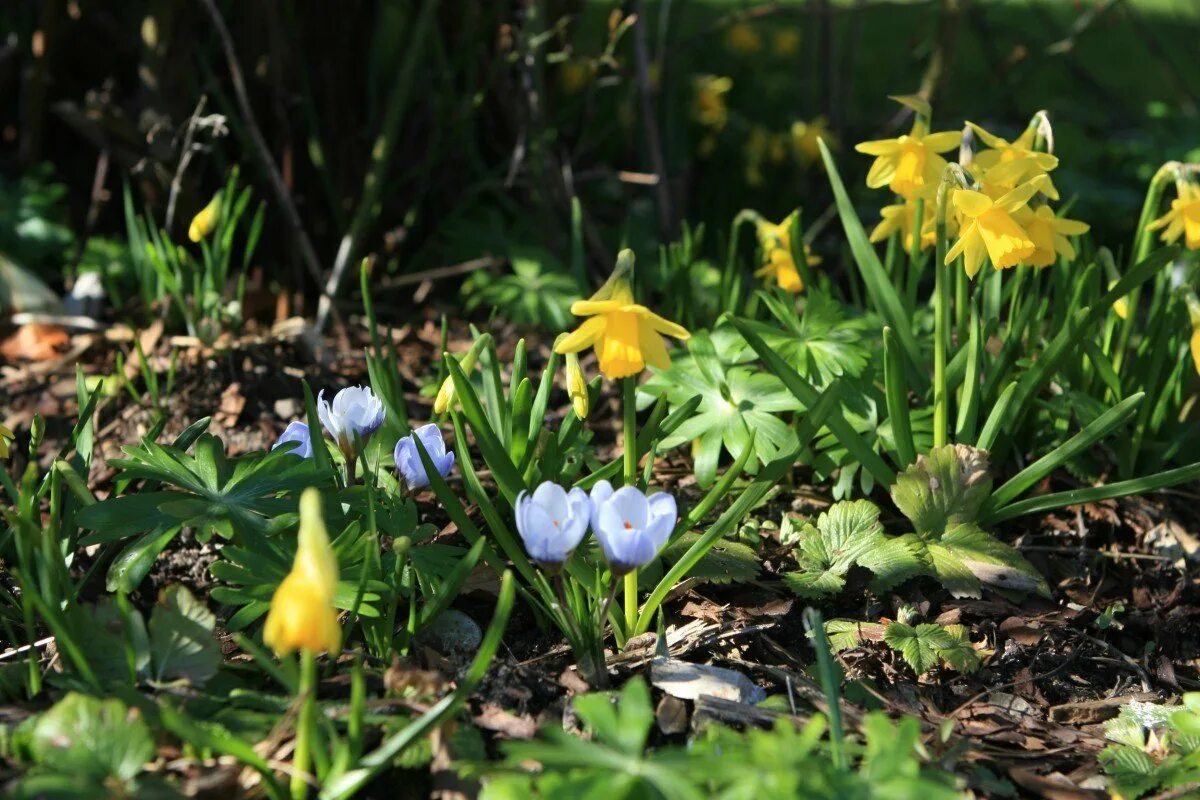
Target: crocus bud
(445, 395)
(351, 418)
(630, 527)
(577, 388)
(206, 221)
(302, 616)
(296, 432)
(552, 522)
(408, 459)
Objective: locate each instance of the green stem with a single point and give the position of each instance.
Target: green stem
(941, 324)
(304, 725)
(1142, 240)
(629, 432)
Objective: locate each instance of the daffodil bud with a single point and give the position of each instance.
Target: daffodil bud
(206, 221)
(302, 616)
(445, 395)
(1193, 304)
(6, 440)
(577, 388)
(1121, 304)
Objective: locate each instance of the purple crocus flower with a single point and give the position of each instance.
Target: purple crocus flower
(408, 460)
(351, 418)
(552, 522)
(631, 527)
(296, 432)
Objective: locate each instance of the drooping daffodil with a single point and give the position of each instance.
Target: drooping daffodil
(1183, 219)
(625, 335)
(302, 616)
(1008, 164)
(780, 266)
(1049, 233)
(296, 432)
(989, 230)
(351, 418)
(552, 522)
(909, 163)
(408, 458)
(630, 526)
(206, 221)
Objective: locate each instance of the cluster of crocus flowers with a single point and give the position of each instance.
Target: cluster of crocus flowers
(626, 336)
(630, 527)
(1183, 219)
(302, 615)
(408, 459)
(780, 265)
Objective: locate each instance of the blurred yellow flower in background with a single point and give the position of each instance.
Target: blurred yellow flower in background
(1183, 219)
(302, 616)
(206, 221)
(786, 42)
(1049, 233)
(708, 103)
(575, 74)
(780, 266)
(909, 163)
(743, 38)
(626, 336)
(990, 231)
(805, 136)
(900, 218)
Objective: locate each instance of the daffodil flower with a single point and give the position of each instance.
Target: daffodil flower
(743, 38)
(625, 335)
(989, 230)
(901, 217)
(1183, 219)
(910, 162)
(1009, 164)
(6, 440)
(708, 105)
(776, 242)
(552, 522)
(631, 527)
(408, 459)
(206, 221)
(1121, 304)
(302, 616)
(1049, 233)
(351, 418)
(296, 432)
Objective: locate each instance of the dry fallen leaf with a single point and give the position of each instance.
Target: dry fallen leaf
(34, 342)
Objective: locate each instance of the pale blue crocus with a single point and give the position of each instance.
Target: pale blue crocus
(630, 527)
(552, 522)
(296, 432)
(408, 460)
(351, 418)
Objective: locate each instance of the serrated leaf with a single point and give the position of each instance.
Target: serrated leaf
(726, 562)
(920, 645)
(846, 634)
(948, 486)
(99, 739)
(1131, 770)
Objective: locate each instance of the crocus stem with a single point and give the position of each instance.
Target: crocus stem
(608, 601)
(941, 323)
(560, 587)
(629, 432)
(351, 469)
(304, 725)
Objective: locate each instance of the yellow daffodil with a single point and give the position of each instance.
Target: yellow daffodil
(205, 222)
(1193, 304)
(805, 136)
(901, 217)
(1121, 304)
(1049, 233)
(577, 388)
(785, 42)
(708, 105)
(1196, 348)
(1183, 219)
(742, 38)
(777, 248)
(6, 440)
(989, 229)
(625, 335)
(302, 616)
(1008, 164)
(911, 162)
(446, 394)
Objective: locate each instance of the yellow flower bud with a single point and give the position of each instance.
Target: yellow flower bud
(577, 388)
(1121, 304)
(445, 395)
(6, 439)
(205, 222)
(302, 616)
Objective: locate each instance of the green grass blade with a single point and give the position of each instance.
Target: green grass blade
(896, 390)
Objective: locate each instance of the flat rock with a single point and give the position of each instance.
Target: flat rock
(690, 681)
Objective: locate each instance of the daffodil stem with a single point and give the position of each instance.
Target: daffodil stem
(304, 725)
(1142, 239)
(629, 432)
(941, 324)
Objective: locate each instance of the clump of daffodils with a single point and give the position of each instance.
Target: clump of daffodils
(779, 265)
(996, 201)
